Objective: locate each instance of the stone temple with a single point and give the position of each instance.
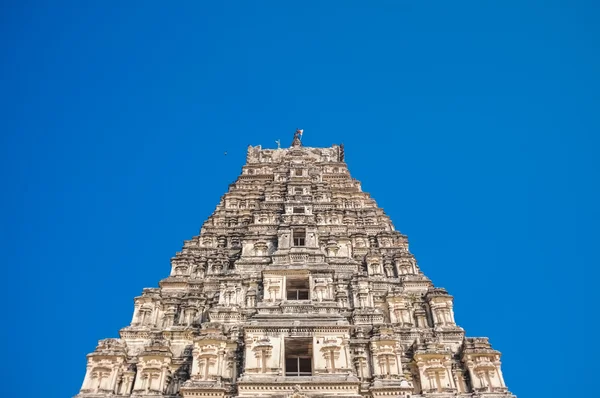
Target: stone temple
(297, 286)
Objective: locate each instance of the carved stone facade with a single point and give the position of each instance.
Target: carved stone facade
(297, 286)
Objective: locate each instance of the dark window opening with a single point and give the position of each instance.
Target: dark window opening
(298, 190)
(297, 289)
(298, 357)
(299, 237)
(299, 172)
(298, 210)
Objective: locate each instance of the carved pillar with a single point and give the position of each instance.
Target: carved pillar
(389, 269)
(448, 366)
(392, 312)
(263, 361)
(139, 383)
(220, 362)
(97, 377)
(331, 352)
(346, 352)
(87, 378)
(163, 375)
(398, 361)
(500, 375)
(205, 364)
(136, 314)
(459, 381)
(147, 378)
(126, 383)
(262, 351)
(472, 375)
(361, 366)
(155, 312)
(421, 318)
(113, 377)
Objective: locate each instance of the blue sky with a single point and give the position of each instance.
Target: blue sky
(474, 124)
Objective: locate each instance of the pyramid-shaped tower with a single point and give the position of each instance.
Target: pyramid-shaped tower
(297, 286)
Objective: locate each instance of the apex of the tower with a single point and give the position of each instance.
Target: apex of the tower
(297, 138)
(296, 152)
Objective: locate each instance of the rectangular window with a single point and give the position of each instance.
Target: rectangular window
(298, 190)
(298, 210)
(299, 172)
(298, 357)
(297, 289)
(299, 237)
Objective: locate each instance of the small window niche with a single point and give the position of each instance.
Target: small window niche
(298, 191)
(298, 357)
(297, 288)
(298, 172)
(299, 237)
(298, 210)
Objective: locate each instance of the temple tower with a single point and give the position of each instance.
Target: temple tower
(298, 285)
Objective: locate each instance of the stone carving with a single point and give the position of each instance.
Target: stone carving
(298, 286)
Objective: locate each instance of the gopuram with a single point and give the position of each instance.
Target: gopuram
(297, 286)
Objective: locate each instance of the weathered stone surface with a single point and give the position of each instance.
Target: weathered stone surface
(297, 286)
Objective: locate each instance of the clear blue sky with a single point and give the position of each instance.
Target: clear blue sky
(474, 124)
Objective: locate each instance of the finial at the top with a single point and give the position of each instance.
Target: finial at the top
(297, 138)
